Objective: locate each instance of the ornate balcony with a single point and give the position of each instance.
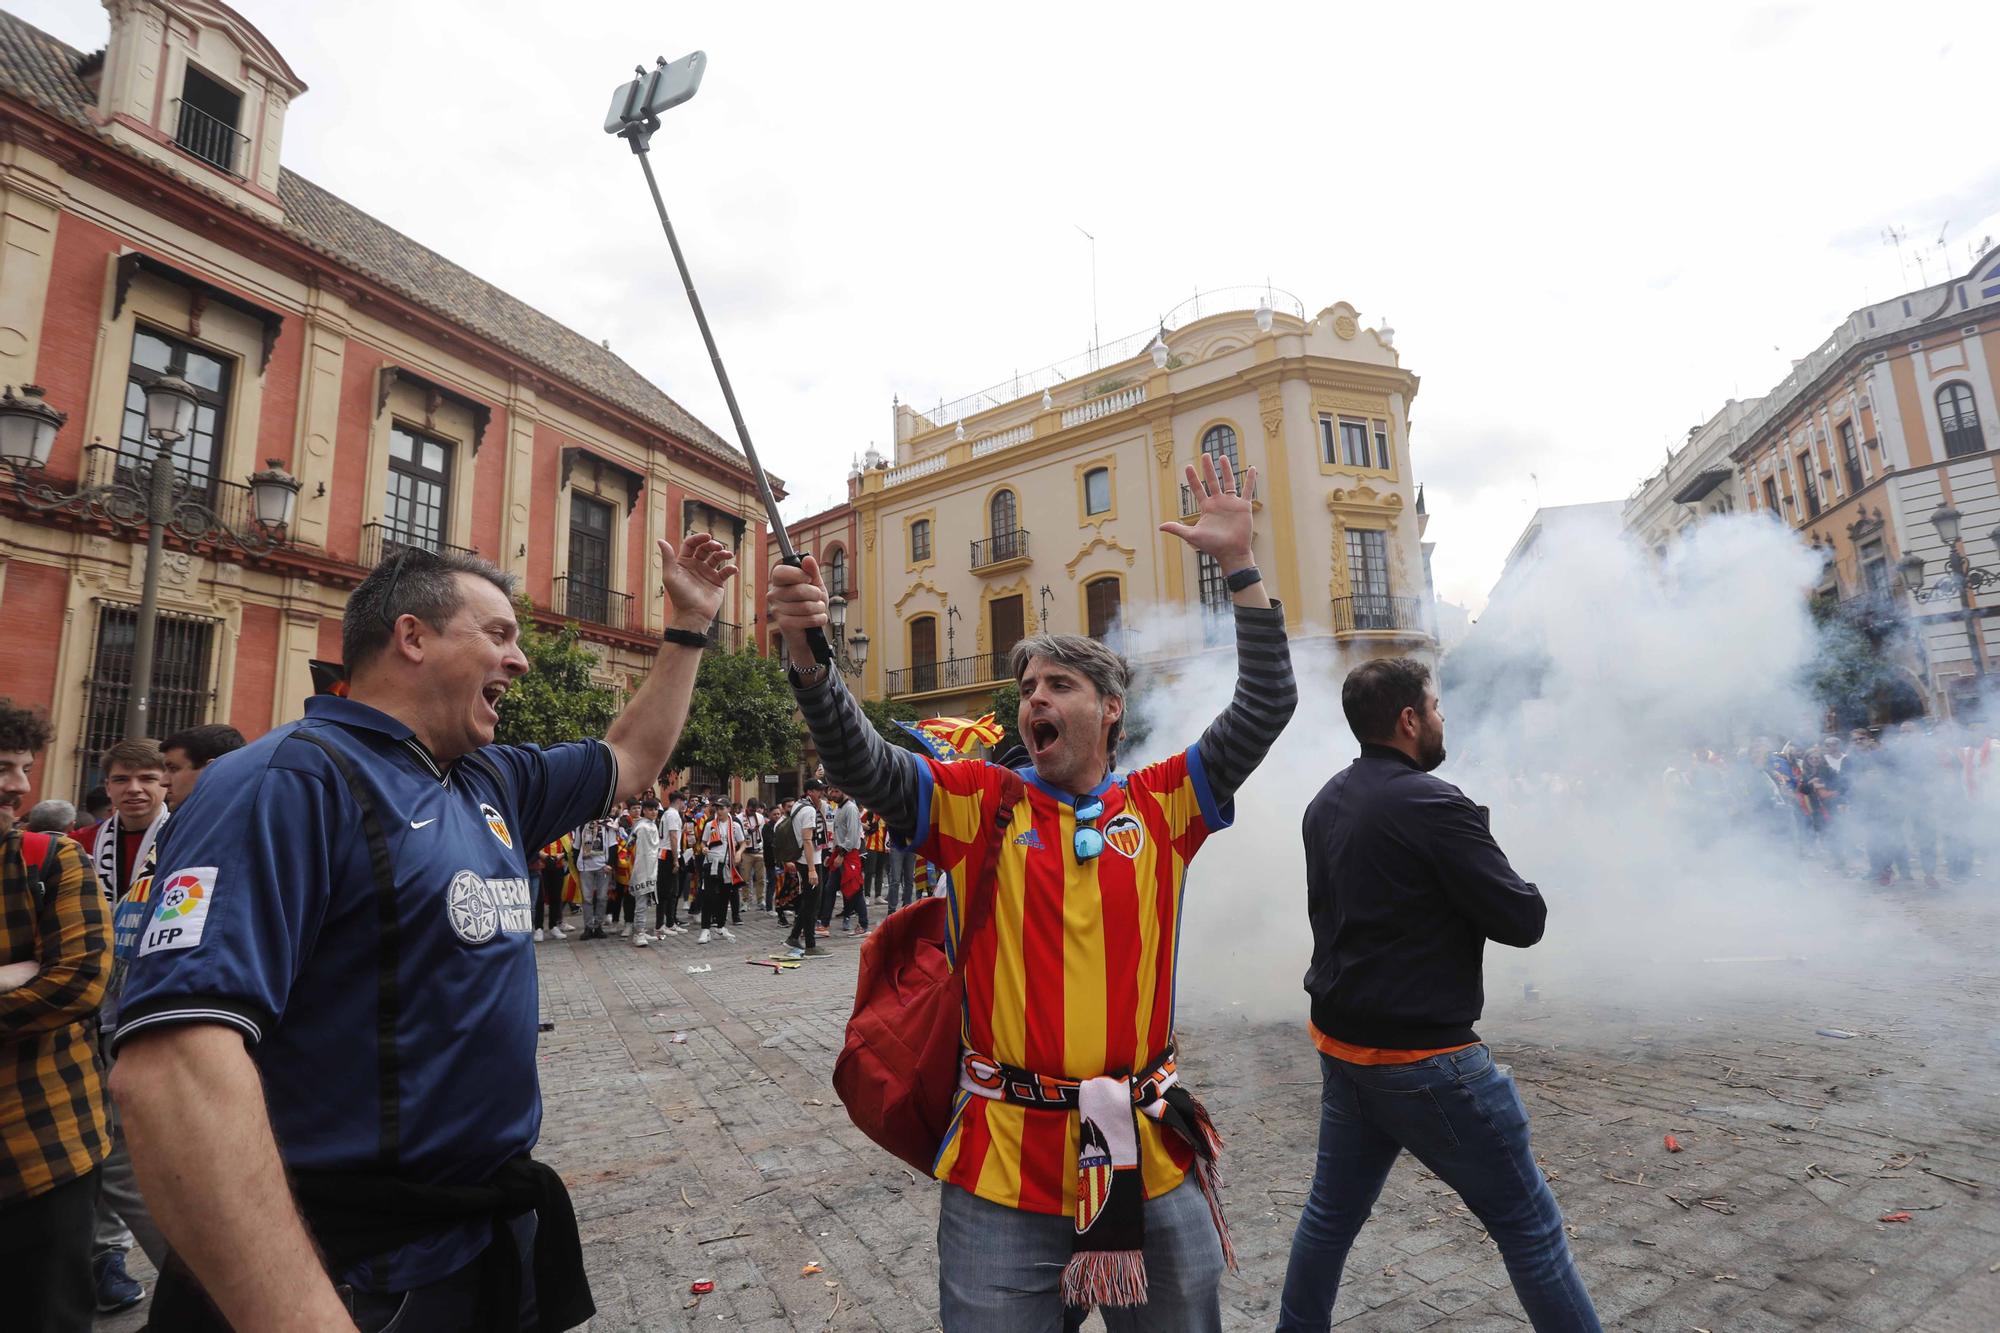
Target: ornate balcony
(1003, 550)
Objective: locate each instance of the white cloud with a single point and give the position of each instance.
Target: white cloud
(1589, 225)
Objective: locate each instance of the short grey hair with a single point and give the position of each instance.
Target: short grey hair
(1088, 657)
(410, 581)
(51, 816)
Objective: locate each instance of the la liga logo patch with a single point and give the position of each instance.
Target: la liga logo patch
(183, 899)
(498, 825)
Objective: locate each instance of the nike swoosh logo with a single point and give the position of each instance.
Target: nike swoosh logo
(423, 823)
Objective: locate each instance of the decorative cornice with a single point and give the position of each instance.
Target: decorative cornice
(1101, 541)
(921, 585)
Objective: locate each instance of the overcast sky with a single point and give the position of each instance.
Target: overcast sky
(1588, 226)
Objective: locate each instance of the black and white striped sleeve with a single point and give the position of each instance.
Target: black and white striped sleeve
(1267, 693)
(858, 761)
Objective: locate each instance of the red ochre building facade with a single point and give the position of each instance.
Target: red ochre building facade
(147, 226)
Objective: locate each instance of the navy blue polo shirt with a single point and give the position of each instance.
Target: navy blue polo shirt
(266, 920)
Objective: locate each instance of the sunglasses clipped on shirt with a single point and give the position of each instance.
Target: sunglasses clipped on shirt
(1088, 842)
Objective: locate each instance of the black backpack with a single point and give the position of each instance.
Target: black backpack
(781, 842)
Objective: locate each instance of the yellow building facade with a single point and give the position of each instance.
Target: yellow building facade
(1036, 506)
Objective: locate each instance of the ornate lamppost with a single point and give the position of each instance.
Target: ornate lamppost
(149, 493)
(1961, 579)
(851, 653)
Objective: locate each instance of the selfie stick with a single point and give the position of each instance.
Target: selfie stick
(634, 115)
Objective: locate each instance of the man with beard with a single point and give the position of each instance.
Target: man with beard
(1404, 886)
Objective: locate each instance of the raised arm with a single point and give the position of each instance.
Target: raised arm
(1266, 696)
(1266, 691)
(857, 759)
(644, 735)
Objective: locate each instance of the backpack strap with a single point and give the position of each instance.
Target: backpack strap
(979, 906)
(39, 852)
(388, 953)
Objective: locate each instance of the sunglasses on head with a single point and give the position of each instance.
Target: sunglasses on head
(389, 593)
(1088, 842)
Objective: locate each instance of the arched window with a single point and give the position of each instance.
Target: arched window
(1959, 416)
(1097, 491)
(836, 572)
(1003, 513)
(1220, 441)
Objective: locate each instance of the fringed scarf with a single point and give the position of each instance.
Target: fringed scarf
(1107, 1264)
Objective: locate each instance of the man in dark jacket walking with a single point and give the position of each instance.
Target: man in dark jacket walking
(1404, 885)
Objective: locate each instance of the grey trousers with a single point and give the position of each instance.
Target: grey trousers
(120, 1207)
(596, 886)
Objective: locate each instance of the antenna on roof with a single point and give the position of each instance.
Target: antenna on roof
(1895, 236)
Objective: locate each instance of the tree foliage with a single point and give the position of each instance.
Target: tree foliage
(1853, 673)
(557, 700)
(742, 719)
(884, 714)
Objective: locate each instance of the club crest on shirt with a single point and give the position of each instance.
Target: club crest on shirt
(498, 825)
(183, 900)
(1126, 835)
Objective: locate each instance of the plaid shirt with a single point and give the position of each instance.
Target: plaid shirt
(52, 1102)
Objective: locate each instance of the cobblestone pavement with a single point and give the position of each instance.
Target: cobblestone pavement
(692, 1117)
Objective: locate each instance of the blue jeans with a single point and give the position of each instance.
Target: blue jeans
(1460, 1116)
(902, 862)
(1000, 1269)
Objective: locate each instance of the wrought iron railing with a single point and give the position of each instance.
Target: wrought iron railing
(1376, 611)
(592, 603)
(951, 674)
(381, 541)
(725, 635)
(213, 140)
(1000, 546)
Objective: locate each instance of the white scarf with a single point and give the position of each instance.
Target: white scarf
(104, 853)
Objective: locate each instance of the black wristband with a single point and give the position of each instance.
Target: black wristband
(1243, 578)
(686, 638)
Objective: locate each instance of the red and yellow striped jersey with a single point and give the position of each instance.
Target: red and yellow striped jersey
(1074, 975)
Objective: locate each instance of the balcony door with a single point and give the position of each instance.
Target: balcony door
(1368, 571)
(589, 557)
(1005, 616)
(923, 654)
(419, 500)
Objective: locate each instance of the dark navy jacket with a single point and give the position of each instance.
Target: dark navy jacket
(1404, 885)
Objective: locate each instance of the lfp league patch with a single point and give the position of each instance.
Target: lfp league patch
(183, 899)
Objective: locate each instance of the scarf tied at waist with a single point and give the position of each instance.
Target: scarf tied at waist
(1107, 1263)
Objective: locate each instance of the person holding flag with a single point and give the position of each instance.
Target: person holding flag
(1071, 1138)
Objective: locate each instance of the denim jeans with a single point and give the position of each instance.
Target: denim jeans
(1460, 1116)
(1000, 1269)
(902, 861)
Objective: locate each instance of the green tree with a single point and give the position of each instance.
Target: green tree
(742, 719)
(884, 714)
(557, 700)
(1007, 712)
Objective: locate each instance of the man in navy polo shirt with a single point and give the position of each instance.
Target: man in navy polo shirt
(337, 985)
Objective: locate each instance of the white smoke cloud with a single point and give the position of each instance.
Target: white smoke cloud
(1662, 874)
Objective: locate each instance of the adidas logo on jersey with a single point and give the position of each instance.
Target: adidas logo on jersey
(1029, 839)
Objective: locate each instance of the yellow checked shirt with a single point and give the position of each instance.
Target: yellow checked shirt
(52, 1104)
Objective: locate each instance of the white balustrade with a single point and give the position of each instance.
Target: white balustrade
(1006, 439)
(923, 467)
(1098, 408)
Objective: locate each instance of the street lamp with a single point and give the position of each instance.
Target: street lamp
(1961, 579)
(1158, 350)
(852, 654)
(144, 491)
(28, 427)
